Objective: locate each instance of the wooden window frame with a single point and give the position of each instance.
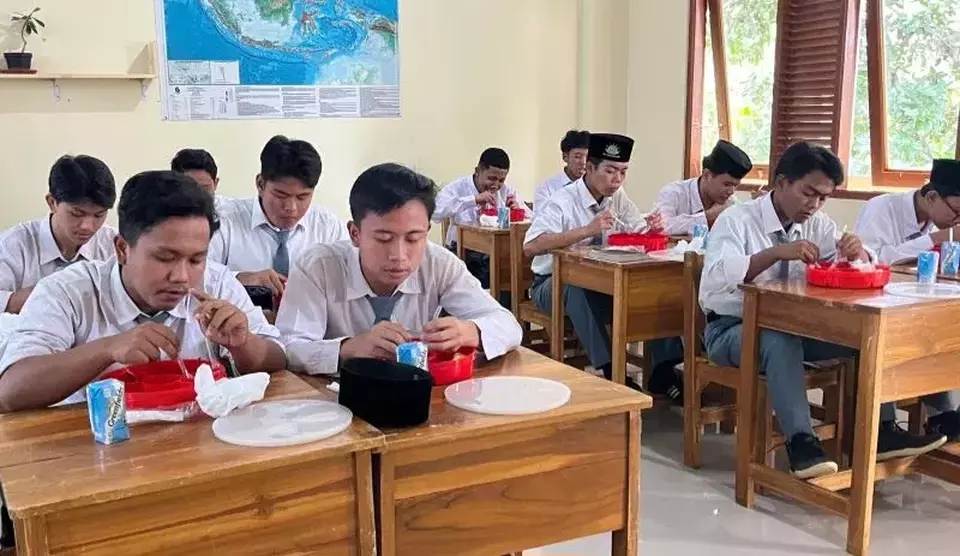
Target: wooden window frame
(703, 13)
(710, 12)
(882, 173)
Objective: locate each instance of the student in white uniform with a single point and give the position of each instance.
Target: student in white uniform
(580, 214)
(462, 200)
(773, 238)
(900, 226)
(573, 148)
(95, 316)
(81, 193)
(384, 287)
(200, 165)
(700, 200)
(262, 237)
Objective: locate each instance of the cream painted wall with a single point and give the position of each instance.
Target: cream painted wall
(474, 73)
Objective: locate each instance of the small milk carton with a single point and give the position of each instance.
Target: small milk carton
(108, 411)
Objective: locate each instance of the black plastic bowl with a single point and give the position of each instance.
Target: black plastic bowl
(385, 393)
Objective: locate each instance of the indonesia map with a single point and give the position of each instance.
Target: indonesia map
(237, 59)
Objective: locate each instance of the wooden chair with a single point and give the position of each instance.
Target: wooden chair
(444, 228)
(526, 311)
(699, 373)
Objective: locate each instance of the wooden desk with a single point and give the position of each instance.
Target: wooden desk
(647, 299)
(482, 485)
(174, 488)
(908, 348)
(493, 242)
(911, 270)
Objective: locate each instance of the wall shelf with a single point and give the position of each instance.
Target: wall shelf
(147, 61)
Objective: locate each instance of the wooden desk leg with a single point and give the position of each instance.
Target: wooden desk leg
(366, 522)
(557, 312)
(747, 400)
(618, 342)
(866, 428)
(494, 268)
(461, 250)
(626, 541)
(386, 493)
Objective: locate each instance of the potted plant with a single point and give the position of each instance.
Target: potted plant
(20, 62)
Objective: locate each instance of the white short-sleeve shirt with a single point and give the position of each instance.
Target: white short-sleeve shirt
(29, 252)
(245, 243)
(888, 225)
(457, 201)
(88, 301)
(574, 207)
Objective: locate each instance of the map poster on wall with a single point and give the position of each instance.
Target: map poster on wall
(250, 59)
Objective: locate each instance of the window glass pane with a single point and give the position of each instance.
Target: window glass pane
(711, 127)
(860, 143)
(923, 80)
(750, 29)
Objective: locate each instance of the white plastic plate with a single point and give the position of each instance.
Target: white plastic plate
(507, 395)
(282, 423)
(923, 291)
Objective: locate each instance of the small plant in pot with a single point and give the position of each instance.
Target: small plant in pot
(28, 24)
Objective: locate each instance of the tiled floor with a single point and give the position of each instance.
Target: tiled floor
(686, 512)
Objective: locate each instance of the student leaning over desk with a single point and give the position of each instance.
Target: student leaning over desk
(384, 287)
(94, 316)
(772, 238)
(900, 226)
(81, 193)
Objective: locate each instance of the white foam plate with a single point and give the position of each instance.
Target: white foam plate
(667, 255)
(282, 423)
(507, 395)
(923, 291)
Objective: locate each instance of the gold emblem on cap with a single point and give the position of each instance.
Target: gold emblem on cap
(612, 150)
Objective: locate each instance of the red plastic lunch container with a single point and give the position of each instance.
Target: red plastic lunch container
(449, 367)
(844, 276)
(649, 242)
(161, 384)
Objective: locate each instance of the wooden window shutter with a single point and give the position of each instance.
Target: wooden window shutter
(814, 76)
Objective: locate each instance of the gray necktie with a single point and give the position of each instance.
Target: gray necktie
(159, 318)
(382, 307)
(780, 238)
(281, 259)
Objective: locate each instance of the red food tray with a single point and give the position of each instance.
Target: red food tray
(490, 212)
(518, 215)
(161, 384)
(844, 276)
(649, 242)
(449, 367)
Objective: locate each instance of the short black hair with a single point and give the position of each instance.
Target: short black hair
(290, 158)
(150, 198)
(803, 158)
(494, 157)
(194, 159)
(575, 139)
(82, 179)
(385, 187)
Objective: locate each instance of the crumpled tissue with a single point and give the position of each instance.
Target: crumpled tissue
(218, 398)
(489, 221)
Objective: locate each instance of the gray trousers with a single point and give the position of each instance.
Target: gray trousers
(591, 312)
(781, 358)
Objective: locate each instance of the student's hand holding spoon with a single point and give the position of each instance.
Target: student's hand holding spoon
(850, 247)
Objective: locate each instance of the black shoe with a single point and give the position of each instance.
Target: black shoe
(807, 458)
(895, 442)
(666, 382)
(947, 424)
